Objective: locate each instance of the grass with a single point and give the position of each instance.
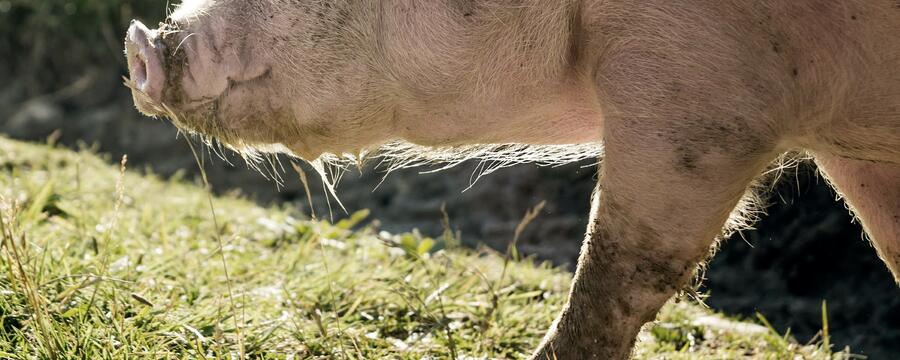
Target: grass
(99, 262)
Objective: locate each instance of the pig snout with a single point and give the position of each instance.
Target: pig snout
(145, 66)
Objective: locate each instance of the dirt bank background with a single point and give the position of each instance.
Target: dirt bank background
(61, 69)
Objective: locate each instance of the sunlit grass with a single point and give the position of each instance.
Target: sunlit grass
(99, 263)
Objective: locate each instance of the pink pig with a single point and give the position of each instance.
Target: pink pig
(691, 100)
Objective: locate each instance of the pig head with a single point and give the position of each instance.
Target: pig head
(309, 78)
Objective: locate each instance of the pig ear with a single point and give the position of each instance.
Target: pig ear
(145, 61)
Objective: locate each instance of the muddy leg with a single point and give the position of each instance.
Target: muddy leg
(873, 192)
(657, 210)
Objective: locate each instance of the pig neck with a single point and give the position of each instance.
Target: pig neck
(563, 114)
(487, 75)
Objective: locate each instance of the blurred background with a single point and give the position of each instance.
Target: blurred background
(61, 68)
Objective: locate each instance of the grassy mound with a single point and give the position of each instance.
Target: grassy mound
(98, 262)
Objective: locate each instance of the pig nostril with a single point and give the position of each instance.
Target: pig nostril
(139, 72)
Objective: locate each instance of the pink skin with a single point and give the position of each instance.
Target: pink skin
(691, 99)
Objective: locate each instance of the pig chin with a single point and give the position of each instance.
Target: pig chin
(237, 120)
(245, 115)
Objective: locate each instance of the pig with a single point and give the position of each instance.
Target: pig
(691, 102)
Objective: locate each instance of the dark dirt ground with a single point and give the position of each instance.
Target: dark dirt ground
(804, 251)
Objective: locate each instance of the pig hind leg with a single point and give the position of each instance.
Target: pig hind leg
(872, 192)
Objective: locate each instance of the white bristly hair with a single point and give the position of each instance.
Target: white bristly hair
(488, 158)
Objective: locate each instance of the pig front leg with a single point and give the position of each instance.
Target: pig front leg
(660, 203)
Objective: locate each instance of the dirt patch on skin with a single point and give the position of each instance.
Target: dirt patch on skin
(175, 63)
(730, 135)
